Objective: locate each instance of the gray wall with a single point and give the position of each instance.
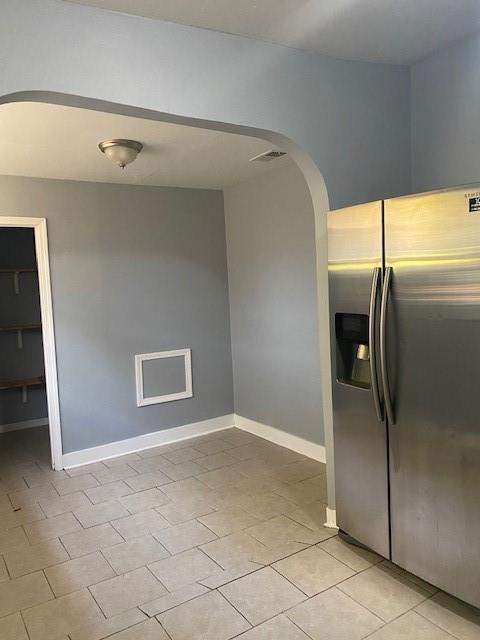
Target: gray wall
(17, 249)
(446, 117)
(273, 302)
(134, 270)
(352, 118)
(343, 117)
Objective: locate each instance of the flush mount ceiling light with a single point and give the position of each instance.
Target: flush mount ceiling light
(120, 151)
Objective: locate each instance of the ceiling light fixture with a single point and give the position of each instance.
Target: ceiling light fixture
(120, 151)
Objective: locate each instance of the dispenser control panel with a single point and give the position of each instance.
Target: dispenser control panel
(352, 349)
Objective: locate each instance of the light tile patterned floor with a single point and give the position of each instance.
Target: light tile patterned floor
(214, 538)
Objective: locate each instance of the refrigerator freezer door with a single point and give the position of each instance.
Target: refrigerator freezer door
(361, 483)
(432, 243)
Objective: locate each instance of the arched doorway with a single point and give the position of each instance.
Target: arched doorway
(319, 197)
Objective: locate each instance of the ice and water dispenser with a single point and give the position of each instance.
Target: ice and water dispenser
(352, 347)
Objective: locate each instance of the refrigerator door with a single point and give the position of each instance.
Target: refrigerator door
(360, 443)
(432, 243)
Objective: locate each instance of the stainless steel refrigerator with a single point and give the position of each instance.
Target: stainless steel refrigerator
(404, 279)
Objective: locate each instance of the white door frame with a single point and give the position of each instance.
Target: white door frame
(39, 225)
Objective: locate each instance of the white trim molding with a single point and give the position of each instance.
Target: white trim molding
(284, 439)
(143, 401)
(147, 441)
(331, 522)
(25, 424)
(39, 225)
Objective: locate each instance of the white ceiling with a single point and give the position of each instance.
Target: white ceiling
(52, 141)
(399, 31)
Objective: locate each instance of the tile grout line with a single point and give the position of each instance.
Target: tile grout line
(352, 598)
(292, 583)
(24, 624)
(101, 552)
(157, 579)
(217, 590)
(76, 519)
(434, 623)
(387, 622)
(66, 551)
(169, 637)
(205, 553)
(50, 587)
(357, 571)
(384, 622)
(403, 573)
(254, 626)
(300, 628)
(95, 600)
(403, 578)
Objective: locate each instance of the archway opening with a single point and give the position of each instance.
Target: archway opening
(319, 205)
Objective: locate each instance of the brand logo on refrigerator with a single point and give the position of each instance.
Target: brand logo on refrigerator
(473, 201)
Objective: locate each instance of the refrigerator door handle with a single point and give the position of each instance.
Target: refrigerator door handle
(372, 343)
(383, 345)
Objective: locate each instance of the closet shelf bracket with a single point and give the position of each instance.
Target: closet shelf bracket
(16, 276)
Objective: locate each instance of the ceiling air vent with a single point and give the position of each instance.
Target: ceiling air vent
(267, 156)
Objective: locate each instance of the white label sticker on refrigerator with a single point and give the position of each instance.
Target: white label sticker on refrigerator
(474, 204)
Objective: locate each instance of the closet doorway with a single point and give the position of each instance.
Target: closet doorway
(29, 408)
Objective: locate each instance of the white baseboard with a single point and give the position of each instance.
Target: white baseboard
(146, 441)
(187, 431)
(284, 439)
(331, 522)
(26, 424)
